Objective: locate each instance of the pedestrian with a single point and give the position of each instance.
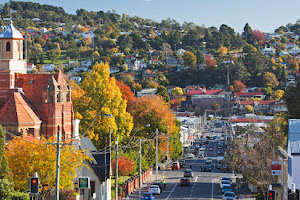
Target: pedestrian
(241, 196)
(164, 183)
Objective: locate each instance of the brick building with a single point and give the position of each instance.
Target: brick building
(31, 103)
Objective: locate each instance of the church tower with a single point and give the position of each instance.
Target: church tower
(11, 50)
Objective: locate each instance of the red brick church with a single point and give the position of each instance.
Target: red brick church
(31, 103)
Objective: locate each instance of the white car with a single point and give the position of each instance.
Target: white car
(154, 189)
(189, 155)
(229, 196)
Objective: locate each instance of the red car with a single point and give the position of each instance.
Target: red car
(175, 166)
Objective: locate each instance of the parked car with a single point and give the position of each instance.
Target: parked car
(182, 161)
(159, 183)
(226, 188)
(185, 181)
(154, 189)
(175, 166)
(225, 178)
(229, 196)
(188, 173)
(147, 196)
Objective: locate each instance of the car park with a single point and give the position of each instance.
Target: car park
(154, 189)
(175, 166)
(184, 181)
(229, 196)
(147, 196)
(188, 173)
(226, 188)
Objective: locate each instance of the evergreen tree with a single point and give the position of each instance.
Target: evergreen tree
(247, 32)
(4, 169)
(162, 91)
(200, 57)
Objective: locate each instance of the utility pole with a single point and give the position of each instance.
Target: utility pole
(105, 183)
(57, 165)
(116, 193)
(168, 148)
(140, 167)
(156, 153)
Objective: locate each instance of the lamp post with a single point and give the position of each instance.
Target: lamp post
(156, 154)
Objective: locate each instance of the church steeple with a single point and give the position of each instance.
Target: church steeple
(11, 48)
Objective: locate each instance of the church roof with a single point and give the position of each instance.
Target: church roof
(11, 33)
(16, 111)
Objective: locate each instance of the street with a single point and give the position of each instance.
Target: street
(204, 185)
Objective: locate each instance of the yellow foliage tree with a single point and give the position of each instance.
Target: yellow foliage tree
(223, 50)
(28, 156)
(249, 109)
(278, 94)
(100, 95)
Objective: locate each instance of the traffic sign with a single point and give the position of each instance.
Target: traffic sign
(276, 168)
(84, 182)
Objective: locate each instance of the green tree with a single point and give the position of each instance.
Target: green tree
(162, 91)
(6, 188)
(36, 51)
(190, 60)
(215, 106)
(99, 94)
(200, 57)
(5, 172)
(124, 42)
(247, 32)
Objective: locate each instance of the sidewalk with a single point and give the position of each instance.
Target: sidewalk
(145, 185)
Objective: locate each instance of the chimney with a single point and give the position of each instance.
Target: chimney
(76, 138)
(204, 89)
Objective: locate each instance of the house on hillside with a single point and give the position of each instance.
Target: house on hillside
(284, 53)
(155, 62)
(86, 63)
(48, 67)
(171, 61)
(249, 95)
(30, 67)
(289, 45)
(180, 52)
(146, 92)
(148, 73)
(294, 51)
(268, 50)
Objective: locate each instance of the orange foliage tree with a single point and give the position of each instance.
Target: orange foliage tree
(125, 166)
(210, 64)
(127, 94)
(238, 86)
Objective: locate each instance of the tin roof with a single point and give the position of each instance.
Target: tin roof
(11, 32)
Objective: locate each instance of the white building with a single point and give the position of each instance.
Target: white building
(283, 53)
(147, 92)
(268, 50)
(86, 63)
(293, 150)
(48, 67)
(76, 78)
(294, 50)
(180, 52)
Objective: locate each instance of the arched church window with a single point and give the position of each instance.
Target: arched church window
(7, 46)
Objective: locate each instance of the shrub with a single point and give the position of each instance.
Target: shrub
(19, 196)
(67, 194)
(6, 188)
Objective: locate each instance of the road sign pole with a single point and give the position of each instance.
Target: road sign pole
(57, 165)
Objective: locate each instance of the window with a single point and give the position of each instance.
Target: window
(93, 187)
(7, 46)
(31, 81)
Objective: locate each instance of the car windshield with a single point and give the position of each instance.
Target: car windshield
(229, 194)
(226, 187)
(153, 186)
(225, 182)
(225, 178)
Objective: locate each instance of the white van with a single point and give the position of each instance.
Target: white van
(201, 152)
(219, 162)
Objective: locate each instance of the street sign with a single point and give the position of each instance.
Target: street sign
(84, 182)
(276, 168)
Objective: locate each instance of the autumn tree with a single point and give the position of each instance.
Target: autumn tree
(127, 94)
(190, 60)
(258, 36)
(278, 94)
(99, 94)
(26, 156)
(270, 80)
(215, 107)
(209, 64)
(248, 109)
(177, 91)
(223, 51)
(293, 64)
(125, 166)
(238, 86)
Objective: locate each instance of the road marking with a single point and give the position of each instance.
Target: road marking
(212, 189)
(172, 190)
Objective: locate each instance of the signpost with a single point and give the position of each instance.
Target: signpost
(84, 182)
(276, 168)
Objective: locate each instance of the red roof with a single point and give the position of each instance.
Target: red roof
(156, 60)
(248, 93)
(34, 89)
(193, 92)
(246, 102)
(17, 111)
(214, 92)
(128, 74)
(130, 56)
